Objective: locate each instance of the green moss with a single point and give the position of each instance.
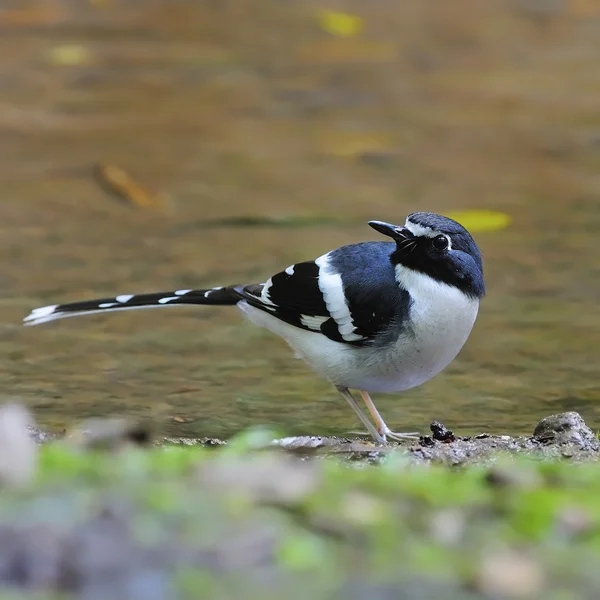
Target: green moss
(232, 515)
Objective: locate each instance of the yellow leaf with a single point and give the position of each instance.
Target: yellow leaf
(481, 220)
(339, 24)
(69, 55)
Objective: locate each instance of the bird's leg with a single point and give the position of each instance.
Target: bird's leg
(345, 392)
(383, 430)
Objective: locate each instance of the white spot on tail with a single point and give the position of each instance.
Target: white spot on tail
(290, 270)
(124, 298)
(331, 286)
(40, 313)
(181, 292)
(108, 304)
(168, 299)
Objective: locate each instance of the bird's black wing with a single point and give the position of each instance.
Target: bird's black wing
(349, 295)
(292, 296)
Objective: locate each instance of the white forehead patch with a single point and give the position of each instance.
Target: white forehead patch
(422, 231)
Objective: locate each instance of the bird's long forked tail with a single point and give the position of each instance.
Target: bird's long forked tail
(220, 296)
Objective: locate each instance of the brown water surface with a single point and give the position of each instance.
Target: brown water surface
(233, 109)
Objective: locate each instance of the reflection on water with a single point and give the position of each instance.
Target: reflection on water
(230, 110)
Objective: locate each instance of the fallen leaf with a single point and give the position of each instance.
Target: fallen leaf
(481, 220)
(121, 183)
(69, 55)
(339, 24)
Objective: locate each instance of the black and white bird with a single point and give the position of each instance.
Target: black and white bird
(372, 317)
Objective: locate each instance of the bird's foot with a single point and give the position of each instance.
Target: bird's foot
(399, 437)
(382, 436)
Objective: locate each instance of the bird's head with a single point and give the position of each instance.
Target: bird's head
(438, 247)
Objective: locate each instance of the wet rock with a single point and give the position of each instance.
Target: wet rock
(427, 441)
(110, 434)
(441, 433)
(461, 451)
(446, 448)
(311, 444)
(307, 442)
(566, 428)
(206, 442)
(558, 436)
(357, 450)
(39, 436)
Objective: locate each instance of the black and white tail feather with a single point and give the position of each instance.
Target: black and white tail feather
(214, 296)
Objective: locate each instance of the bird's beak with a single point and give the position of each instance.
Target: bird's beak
(393, 231)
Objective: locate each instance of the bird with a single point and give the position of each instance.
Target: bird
(373, 317)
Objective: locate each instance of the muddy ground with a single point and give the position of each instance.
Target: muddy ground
(563, 435)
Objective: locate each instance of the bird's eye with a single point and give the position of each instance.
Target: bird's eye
(440, 242)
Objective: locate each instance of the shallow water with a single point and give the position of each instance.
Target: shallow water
(236, 109)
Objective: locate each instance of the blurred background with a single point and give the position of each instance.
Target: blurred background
(168, 144)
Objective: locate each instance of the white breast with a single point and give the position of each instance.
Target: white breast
(442, 318)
